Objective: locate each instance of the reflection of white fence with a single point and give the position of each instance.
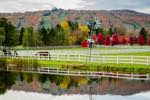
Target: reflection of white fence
(143, 60)
(54, 71)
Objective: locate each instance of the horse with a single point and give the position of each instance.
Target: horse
(43, 54)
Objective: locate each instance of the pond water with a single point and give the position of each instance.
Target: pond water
(25, 86)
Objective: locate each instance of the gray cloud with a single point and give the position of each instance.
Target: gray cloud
(138, 5)
(32, 5)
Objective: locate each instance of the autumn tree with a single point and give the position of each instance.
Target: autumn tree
(115, 40)
(140, 39)
(131, 40)
(107, 40)
(148, 41)
(120, 30)
(124, 41)
(100, 38)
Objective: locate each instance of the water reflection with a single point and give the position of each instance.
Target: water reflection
(61, 85)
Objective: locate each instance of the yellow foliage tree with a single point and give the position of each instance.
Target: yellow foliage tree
(64, 24)
(84, 28)
(83, 81)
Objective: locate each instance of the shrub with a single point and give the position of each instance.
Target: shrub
(20, 64)
(148, 41)
(107, 40)
(140, 39)
(100, 38)
(131, 40)
(115, 40)
(124, 41)
(3, 63)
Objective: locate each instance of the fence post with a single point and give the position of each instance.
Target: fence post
(103, 59)
(132, 75)
(147, 76)
(147, 61)
(117, 74)
(79, 58)
(7, 54)
(68, 57)
(132, 60)
(48, 56)
(117, 59)
(57, 56)
(57, 70)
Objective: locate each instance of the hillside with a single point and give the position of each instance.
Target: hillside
(131, 20)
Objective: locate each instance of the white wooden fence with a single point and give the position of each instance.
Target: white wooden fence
(143, 60)
(56, 71)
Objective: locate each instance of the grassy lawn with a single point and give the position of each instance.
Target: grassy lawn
(122, 68)
(86, 66)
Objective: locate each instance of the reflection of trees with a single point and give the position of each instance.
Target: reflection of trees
(7, 79)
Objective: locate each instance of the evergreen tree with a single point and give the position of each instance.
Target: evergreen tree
(144, 34)
(44, 36)
(11, 35)
(2, 36)
(21, 35)
(110, 31)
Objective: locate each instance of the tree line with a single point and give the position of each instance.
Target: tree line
(64, 33)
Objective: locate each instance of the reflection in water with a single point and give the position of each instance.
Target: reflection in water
(14, 95)
(61, 85)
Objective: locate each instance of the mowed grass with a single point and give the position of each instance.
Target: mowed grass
(122, 68)
(88, 66)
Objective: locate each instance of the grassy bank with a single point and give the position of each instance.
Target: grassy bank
(122, 68)
(86, 66)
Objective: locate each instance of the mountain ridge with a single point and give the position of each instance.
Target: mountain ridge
(131, 20)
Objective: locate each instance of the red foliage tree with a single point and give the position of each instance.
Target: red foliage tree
(115, 40)
(100, 38)
(124, 41)
(107, 40)
(140, 39)
(148, 41)
(84, 44)
(131, 40)
(94, 37)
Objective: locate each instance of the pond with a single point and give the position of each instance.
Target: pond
(25, 86)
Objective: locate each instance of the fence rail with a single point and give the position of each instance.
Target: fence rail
(143, 60)
(56, 71)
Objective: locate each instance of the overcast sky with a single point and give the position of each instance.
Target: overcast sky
(14, 95)
(33, 5)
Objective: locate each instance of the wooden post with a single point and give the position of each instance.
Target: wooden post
(132, 76)
(79, 58)
(57, 56)
(68, 72)
(38, 69)
(132, 60)
(117, 74)
(147, 61)
(117, 60)
(57, 70)
(103, 59)
(68, 57)
(48, 56)
(147, 76)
